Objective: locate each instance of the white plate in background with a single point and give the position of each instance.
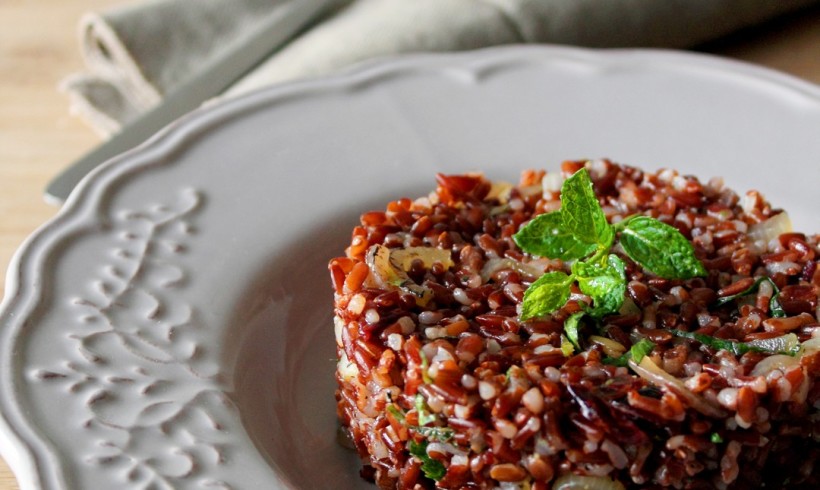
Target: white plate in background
(171, 327)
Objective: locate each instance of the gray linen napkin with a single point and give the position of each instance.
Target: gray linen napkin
(136, 53)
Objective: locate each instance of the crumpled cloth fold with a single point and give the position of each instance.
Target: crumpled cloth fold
(135, 54)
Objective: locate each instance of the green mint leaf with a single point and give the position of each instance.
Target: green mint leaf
(442, 434)
(750, 290)
(571, 327)
(660, 248)
(546, 236)
(581, 213)
(546, 295)
(775, 307)
(566, 346)
(425, 364)
(605, 285)
(432, 468)
(425, 417)
(636, 353)
(774, 303)
(639, 350)
(397, 413)
(787, 344)
(622, 361)
(736, 348)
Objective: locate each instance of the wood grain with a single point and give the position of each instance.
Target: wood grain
(39, 47)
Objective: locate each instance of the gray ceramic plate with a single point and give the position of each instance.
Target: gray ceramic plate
(171, 327)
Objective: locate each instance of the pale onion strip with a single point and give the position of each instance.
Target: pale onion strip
(651, 372)
(402, 258)
(770, 229)
(496, 264)
(610, 347)
(499, 190)
(387, 275)
(769, 364)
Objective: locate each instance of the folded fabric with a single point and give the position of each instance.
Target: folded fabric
(137, 53)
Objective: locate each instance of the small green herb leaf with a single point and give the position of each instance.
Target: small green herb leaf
(546, 295)
(775, 306)
(581, 213)
(566, 346)
(571, 327)
(546, 236)
(432, 468)
(660, 248)
(774, 302)
(396, 413)
(787, 344)
(425, 364)
(425, 417)
(605, 285)
(637, 352)
(715, 438)
(442, 434)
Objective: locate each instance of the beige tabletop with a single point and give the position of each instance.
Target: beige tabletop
(38, 138)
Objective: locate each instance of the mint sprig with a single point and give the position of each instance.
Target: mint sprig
(425, 417)
(580, 232)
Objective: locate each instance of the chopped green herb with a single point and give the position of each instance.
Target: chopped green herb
(774, 302)
(715, 438)
(425, 364)
(432, 468)
(425, 417)
(787, 344)
(571, 326)
(641, 349)
(396, 413)
(775, 307)
(637, 352)
(442, 434)
(580, 229)
(566, 346)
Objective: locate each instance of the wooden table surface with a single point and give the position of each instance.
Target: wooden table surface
(38, 47)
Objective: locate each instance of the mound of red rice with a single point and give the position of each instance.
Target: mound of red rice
(441, 385)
